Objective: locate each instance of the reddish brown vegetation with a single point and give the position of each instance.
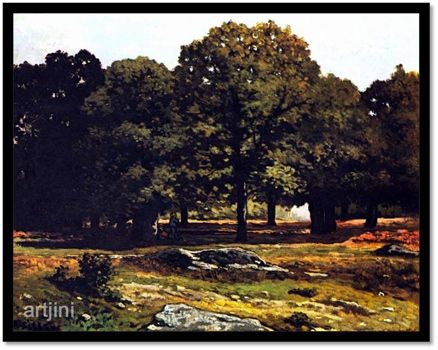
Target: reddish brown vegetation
(408, 239)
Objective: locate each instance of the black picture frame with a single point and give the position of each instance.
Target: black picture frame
(423, 9)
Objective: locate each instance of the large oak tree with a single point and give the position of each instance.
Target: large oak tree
(240, 82)
(47, 124)
(132, 174)
(390, 173)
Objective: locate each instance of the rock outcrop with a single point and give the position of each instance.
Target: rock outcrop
(220, 261)
(395, 250)
(184, 318)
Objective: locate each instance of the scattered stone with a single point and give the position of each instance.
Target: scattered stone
(381, 294)
(262, 303)
(246, 298)
(27, 296)
(386, 308)
(350, 306)
(319, 329)
(126, 256)
(135, 293)
(152, 296)
(265, 293)
(79, 298)
(320, 307)
(86, 317)
(235, 297)
(395, 250)
(120, 305)
(181, 317)
(316, 274)
(387, 320)
(362, 324)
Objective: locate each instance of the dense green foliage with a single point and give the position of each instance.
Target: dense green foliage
(130, 147)
(245, 116)
(391, 172)
(96, 270)
(244, 88)
(47, 124)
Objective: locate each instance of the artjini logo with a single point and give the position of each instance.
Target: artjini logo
(49, 311)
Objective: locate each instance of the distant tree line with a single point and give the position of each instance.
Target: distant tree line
(246, 114)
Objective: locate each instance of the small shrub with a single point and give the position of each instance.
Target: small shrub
(101, 321)
(299, 320)
(35, 325)
(60, 275)
(111, 295)
(387, 275)
(304, 292)
(96, 271)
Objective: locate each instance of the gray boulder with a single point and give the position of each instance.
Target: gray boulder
(184, 318)
(395, 250)
(220, 260)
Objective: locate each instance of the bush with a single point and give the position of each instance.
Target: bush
(386, 275)
(35, 325)
(96, 271)
(299, 320)
(304, 292)
(60, 275)
(102, 321)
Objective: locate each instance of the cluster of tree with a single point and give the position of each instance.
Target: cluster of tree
(246, 114)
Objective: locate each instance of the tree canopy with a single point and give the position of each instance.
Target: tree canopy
(241, 84)
(47, 123)
(245, 115)
(133, 129)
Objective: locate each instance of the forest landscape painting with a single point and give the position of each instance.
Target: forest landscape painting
(216, 172)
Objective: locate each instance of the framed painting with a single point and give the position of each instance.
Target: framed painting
(215, 171)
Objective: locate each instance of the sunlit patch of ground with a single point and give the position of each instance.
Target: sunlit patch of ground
(355, 289)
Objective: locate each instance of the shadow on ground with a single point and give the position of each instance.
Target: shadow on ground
(219, 232)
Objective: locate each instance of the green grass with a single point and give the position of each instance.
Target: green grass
(266, 300)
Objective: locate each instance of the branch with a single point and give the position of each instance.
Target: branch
(279, 110)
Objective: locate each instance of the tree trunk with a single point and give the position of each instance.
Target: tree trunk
(371, 215)
(138, 226)
(344, 211)
(94, 223)
(316, 217)
(75, 225)
(271, 210)
(151, 218)
(121, 226)
(329, 218)
(143, 223)
(241, 211)
(184, 216)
